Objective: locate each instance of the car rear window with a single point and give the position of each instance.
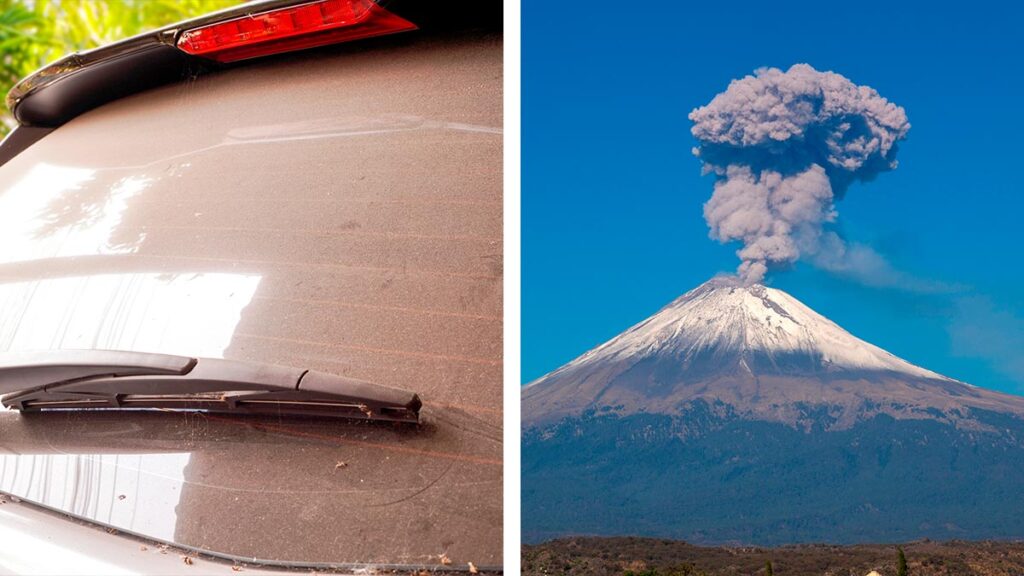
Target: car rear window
(338, 210)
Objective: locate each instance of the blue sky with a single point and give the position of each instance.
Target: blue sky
(612, 197)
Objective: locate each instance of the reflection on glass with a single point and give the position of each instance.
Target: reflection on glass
(192, 314)
(136, 492)
(343, 126)
(51, 212)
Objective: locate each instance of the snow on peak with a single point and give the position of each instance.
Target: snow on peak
(724, 318)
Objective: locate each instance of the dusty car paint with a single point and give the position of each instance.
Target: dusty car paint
(338, 210)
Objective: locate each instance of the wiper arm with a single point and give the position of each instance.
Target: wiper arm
(98, 379)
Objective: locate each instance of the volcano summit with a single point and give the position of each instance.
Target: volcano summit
(736, 414)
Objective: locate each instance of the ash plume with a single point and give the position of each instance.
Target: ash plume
(784, 148)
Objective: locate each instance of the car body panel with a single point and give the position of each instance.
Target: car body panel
(41, 542)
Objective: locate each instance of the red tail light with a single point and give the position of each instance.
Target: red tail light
(291, 28)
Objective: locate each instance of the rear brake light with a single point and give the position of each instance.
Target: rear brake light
(291, 28)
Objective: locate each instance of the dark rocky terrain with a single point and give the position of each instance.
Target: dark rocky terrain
(651, 557)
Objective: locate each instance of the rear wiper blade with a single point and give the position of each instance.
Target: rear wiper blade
(105, 379)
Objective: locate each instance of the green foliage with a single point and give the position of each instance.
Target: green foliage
(768, 570)
(18, 39)
(36, 32)
(901, 563)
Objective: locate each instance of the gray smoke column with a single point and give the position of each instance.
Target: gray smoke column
(784, 147)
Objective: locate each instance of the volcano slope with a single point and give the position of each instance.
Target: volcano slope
(736, 414)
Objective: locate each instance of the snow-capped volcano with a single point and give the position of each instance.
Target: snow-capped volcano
(755, 348)
(722, 322)
(737, 414)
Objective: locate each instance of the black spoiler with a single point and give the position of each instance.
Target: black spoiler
(81, 81)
